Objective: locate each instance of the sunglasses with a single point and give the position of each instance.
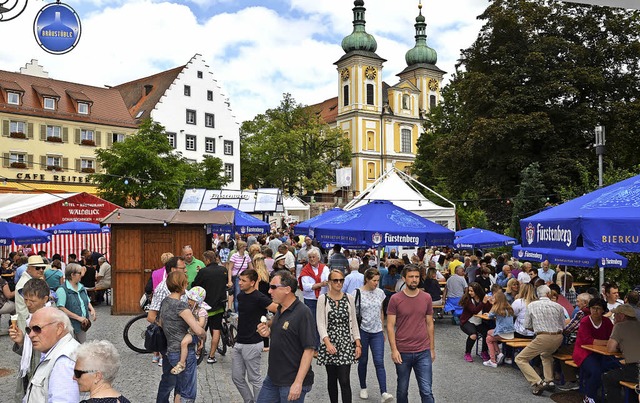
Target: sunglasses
(36, 328)
(337, 280)
(78, 373)
(39, 268)
(276, 286)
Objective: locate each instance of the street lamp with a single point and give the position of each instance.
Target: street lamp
(600, 148)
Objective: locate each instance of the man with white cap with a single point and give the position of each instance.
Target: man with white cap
(624, 338)
(35, 269)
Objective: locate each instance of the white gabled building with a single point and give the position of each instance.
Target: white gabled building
(190, 104)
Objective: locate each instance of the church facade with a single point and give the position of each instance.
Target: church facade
(382, 121)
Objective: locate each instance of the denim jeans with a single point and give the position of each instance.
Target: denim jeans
(421, 363)
(376, 342)
(185, 384)
(313, 304)
(271, 393)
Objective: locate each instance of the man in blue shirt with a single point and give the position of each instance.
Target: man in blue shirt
(546, 273)
(504, 276)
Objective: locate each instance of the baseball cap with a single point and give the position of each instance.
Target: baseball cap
(625, 309)
(36, 261)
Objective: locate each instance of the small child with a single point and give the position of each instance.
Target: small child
(504, 330)
(199, 308)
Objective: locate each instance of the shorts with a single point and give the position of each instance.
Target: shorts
(214, 322)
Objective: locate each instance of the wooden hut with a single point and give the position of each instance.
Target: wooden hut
(139, 237)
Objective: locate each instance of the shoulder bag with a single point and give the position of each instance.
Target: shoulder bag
(358, 311)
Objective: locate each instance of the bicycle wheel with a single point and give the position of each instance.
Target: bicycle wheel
(133, 333)
(233, 334)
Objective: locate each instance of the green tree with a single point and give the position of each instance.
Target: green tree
(530, 198)
(290, 147)
(144, 171)
(537, 80)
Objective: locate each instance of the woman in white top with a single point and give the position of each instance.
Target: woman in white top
(525, 297)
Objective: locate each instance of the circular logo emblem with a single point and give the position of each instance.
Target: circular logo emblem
(55, 232)
(57, 28)
(520, 254)
(243, 230)
(376, 238)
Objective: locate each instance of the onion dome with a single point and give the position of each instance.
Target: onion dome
(421, 53)
(359, 39)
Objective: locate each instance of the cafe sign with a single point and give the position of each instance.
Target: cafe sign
(52, 178)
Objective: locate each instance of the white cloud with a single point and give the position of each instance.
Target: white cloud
(255, 53)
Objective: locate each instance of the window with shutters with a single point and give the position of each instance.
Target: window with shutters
(17, 128)
(172, 139)
(228, 171)
(83, 108)
(191, 117)
(87, 137)
(370, 94)
(209, 145)
(228, 147)
(49, 103)
(53, 134)
(13, 98)
(371, 171)
(87, 165)
(190, 142)
(209, 120)
(18, 160)
(117, 138)
(54, 163)
(370, 140)
(405, 141)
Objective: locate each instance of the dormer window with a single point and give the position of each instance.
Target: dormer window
(83, 108)
(13, 98)
(49, 103)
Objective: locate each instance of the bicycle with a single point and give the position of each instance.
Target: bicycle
(228, 333)
(134, 331)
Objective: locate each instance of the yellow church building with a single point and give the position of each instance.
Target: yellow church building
(382, 121)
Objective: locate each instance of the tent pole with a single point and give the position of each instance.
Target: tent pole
(601, 279)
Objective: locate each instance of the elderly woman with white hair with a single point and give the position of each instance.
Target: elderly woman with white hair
(97, 365)
(74, 301)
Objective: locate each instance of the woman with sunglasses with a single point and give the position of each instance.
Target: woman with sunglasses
(340, 336)
(97, 365)
(74, 301)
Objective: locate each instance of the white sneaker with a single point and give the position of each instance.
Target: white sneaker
(160, 362)
(500, 359)
(489, 363)
(508, 361)
(364, 394)
(386, 397)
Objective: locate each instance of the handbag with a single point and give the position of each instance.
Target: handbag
(154, 338)
(358, 311)
(85, 325)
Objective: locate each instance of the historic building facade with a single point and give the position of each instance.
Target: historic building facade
(50, 129)
(382, 121)
(197, 117)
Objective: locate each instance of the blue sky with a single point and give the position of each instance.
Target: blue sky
(257, 50)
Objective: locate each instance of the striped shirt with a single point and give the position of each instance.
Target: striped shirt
(544, 315)
(240, 263)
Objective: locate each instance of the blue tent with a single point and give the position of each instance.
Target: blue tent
(304, 227)
(580, 257)
(483, 239)
(77, 227)
(21, 234)
(468, 231)
(605, 219)
(380, 223)
(242, 222)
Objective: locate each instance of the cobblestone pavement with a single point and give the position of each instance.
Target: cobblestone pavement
(454, 380)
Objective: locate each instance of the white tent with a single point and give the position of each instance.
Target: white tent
(402, 190)
(294, 206)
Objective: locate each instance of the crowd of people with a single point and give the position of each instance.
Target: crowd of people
(302, 304)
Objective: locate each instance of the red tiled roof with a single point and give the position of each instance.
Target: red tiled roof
(45, 91)
(143, 94)
(327, 110)
(108, 107)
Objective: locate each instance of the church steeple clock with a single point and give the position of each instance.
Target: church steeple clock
(360, 68)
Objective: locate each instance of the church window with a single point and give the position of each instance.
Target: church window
(369, 94)
(370, 140)
(371, 171)
(345, 95)
(405, 141)
(406, 101)
(432, 102)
